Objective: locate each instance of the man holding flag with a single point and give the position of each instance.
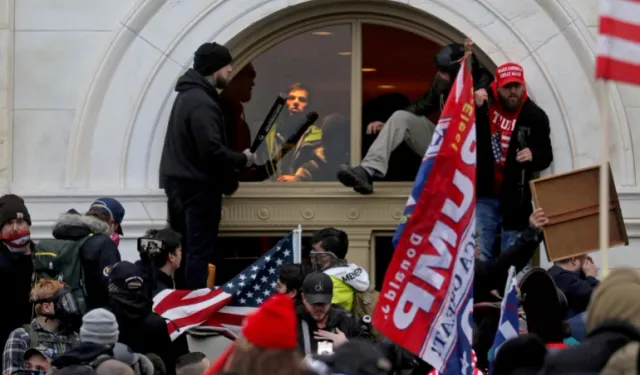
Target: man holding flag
(426, 300)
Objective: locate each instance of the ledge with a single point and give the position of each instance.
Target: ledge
(268, 207)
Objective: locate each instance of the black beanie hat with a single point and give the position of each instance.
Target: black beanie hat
(211, 57)
(12, 207)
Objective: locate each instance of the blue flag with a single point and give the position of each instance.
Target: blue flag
(509, 325)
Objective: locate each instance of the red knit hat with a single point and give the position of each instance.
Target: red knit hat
(273, 325)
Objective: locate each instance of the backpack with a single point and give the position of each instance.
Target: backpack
(37, 341)
(364, 303)
(60, 260)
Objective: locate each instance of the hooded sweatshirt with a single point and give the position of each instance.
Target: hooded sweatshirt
(195, 147)
(96, 254)
(347, 279)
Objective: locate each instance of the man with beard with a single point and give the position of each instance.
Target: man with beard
(308, 148)
(512, 143)
(322, 327)
(412, 125)
(197, 166)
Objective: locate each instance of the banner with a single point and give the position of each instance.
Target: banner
(427, 297)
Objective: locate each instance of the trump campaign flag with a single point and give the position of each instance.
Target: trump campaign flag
(223, 308)
(509, 323)
(426, 300)
(618, 53)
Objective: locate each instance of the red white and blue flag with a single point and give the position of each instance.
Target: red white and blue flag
(618, 53)
(426, 300)
(222, 309)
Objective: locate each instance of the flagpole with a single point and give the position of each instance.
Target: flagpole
(297, 245)
(603, 99)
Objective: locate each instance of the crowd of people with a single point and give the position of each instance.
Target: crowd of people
(77, 308)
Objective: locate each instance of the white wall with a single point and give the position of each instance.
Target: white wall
(84, 86)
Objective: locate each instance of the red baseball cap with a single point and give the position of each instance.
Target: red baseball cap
(508, 73)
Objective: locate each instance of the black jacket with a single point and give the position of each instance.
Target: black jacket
(492, 274)
(338, 318)
(592, 354)
(576, 287)
(516, 204)
(195, 146)
(83, 354)
(144, 331)
(430, 102)
(97, 253)
(16, 271)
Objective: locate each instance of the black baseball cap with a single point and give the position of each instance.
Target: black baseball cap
(125, 275)
(317, 288)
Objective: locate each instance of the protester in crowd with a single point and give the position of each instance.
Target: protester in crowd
(158, 364)
(38, 359)
(490, 276)
(412, 124)
(197, 165)
(357, 356)
(139, 363)
(114, 367)
(613, 321)
(268, 344)
(195, 363)
(100, 229)
(16, 267)
(290, 279)
(322, 327)
(576, 277)
(512, 144)
(329, 250)
(140, 328)
(48, 329)
(522, 355)
(163, 259)
(98, 336)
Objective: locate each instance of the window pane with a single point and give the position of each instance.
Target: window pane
(383, 255)
(392, 78)
(313, 69)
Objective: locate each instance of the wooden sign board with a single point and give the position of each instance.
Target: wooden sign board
(571, 201)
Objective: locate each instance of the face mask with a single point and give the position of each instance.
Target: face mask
(321, 260)
(115, 237)
(65, 307)
(18, 243)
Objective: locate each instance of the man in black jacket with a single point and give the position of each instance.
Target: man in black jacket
(197, 166)
(412, 124)
(16, 266)
(102, 224)
(321, 326)
(512, 143)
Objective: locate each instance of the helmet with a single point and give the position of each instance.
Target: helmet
(448, 59)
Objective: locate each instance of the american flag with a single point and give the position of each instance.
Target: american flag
(509, 325)
(223, 308)
(618, 53)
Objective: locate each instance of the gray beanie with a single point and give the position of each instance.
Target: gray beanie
(99, 326)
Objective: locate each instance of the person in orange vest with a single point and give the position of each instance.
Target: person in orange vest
(269, 342)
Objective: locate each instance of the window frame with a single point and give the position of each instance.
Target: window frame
(265, 34)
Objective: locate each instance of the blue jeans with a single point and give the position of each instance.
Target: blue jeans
(488, 222)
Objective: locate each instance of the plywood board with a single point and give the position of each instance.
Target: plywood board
(571, 202)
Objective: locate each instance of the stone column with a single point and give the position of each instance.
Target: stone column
(6, 91)
(360, 247)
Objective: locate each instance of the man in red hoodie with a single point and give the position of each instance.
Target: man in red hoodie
(512, 144)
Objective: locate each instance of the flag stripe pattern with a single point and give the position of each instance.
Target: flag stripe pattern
(618, 49)
(509, 319)
(223, 308)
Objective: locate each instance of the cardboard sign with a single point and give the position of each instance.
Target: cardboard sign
(571, 201)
